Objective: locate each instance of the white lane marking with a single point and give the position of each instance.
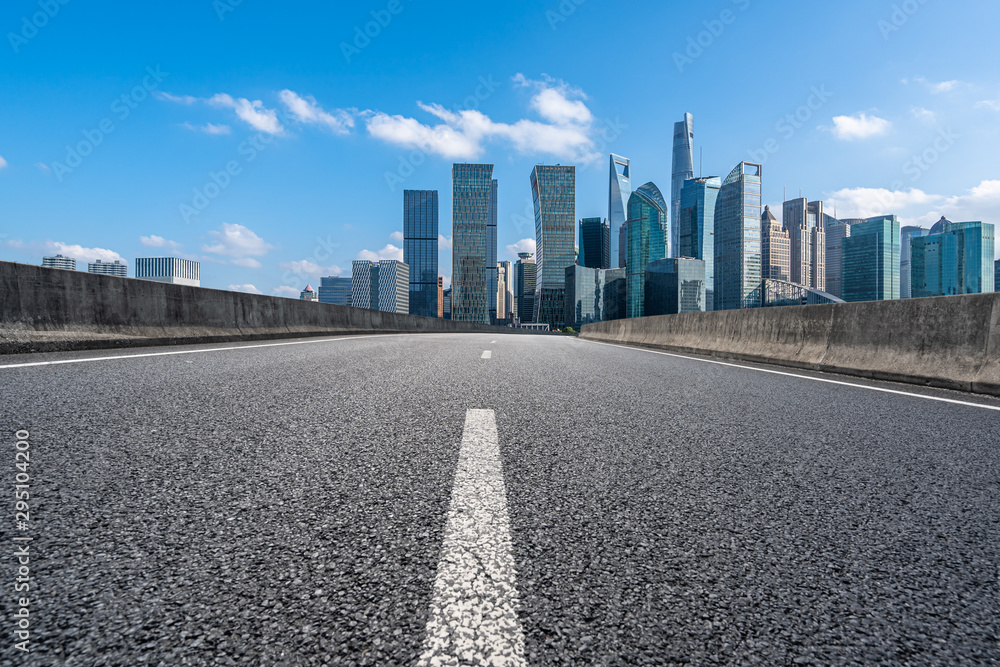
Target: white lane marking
(487, 355)
(199, 351)
(474, 613)
(802, 377)
(492, 342)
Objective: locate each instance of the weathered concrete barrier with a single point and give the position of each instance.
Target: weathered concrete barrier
(44, 309)
(951, 342)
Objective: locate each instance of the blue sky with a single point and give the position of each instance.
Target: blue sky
(273, 143)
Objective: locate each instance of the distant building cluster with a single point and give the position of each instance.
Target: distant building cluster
(161, 269)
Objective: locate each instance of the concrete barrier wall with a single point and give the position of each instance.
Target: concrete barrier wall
(45, 309)
(951, 342)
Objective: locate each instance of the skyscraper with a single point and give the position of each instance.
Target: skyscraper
(955, 258)
(737, 239)
(803, 220)
(697, 227)
(491, 253)
(59, 262)
(775, 248)
(335, 290)
(836, 231)
(383, 286)
(553, 189)
(473, 197)
(595, 243)
(905, 257)
(115, 268)
(675, 285)
(594, 295)
(440, 298)
(996, 276)
(420, 249)
(871, 260)
(525, 294)
(619, 190)
(171, 270)
(683, 170)
(505, 292)
(647, 230)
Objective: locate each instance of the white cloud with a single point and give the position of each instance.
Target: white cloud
(248, 288)
(253, 113)
(237, 241)
(388, 252)
(154, 241)
(396, 236)
(859, 126)
(306, 269)
(524, 245)
(924, 115)
(869, 202)
(939, 87)
(992, 105)
(81, 254)
(3, 163)
(445, 242)
(179, 99)
(567, 133)
(285, 290)
(306, 110)
(208, 128)
(247, 263)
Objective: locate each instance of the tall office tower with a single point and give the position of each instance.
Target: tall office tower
(775, 248)
(526, 272)
(440, 298)
(169, 270)
(420, 249)
(871, 260)
(647, 241)
(683, 170)
(905, 257)
(59, 262)
(446, 305)
(675, 285)
(996, 276)
(955, 258)
(335, 290)
(115, 268)
(594, 295)
(836, 231)
(737, 239)
(473, 195)
(308, 294)
(619, 190)
(804, 222)
(505, 295)
(491, 253)
(595, 243)
(553, 189)
(623, 245)
(697, 227)
(383, 286)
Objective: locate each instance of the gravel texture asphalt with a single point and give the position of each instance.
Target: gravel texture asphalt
(287, 505)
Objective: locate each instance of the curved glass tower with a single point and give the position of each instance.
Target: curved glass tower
(683, 170)
(553, 188)
(737, 239)
(619, 191)
(647, 229)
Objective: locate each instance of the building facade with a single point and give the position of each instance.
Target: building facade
(553, 190)
(619, 191)
(472, 199)
(737, 239)
(420, 249)
(954, 258)
(525, 272)
(491, 252)
(440, 298)
(647, 242)
(871, 261)
(835, 231)
(906, 234)
(335, 290)
(804, 221)
(59, 262)
(383, 286)
(594, 295)
(775, 293)
(697, 227)
(505, 292)
(115, 268)
(308, 294)
(775, 248)
(595, 243)
(169, 270)
(682, 170)
(675, 285)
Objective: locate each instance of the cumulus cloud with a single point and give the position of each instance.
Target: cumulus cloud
(154, 241)
(208, 128)
(566, 132)
(859, 126)
(248, 288)
(3, 163)
(247, 263)
(236, 241)
(924, 115)
(938, 87)
(869, 202)
(80, 253)
(307, 269)
(396, 236)
(306, 110)
(253, 113)
(524, 245)
(445, 242)
(285, 290)
(388, 252)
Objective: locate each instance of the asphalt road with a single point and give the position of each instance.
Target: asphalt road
(293, 504)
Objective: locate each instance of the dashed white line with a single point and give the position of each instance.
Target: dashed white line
(487, 355)
(802, 377)
(492, 342)
(474, 612)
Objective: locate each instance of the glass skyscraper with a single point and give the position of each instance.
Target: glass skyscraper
(491, 252)
(594, 295)
(954, 258)
(619, 191)
(553, 189)
(675, 285)
(383, 285)
(595, 239)
(335, 290)
(473, 196)
(647, 230)
(906, 234)
(737, 239)
(683, 170)
(420, 249)
(525, 284)
(836, 231)
(871, 260)
(697, 227)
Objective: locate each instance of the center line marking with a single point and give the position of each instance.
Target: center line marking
(487, 355)
(473, 617)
